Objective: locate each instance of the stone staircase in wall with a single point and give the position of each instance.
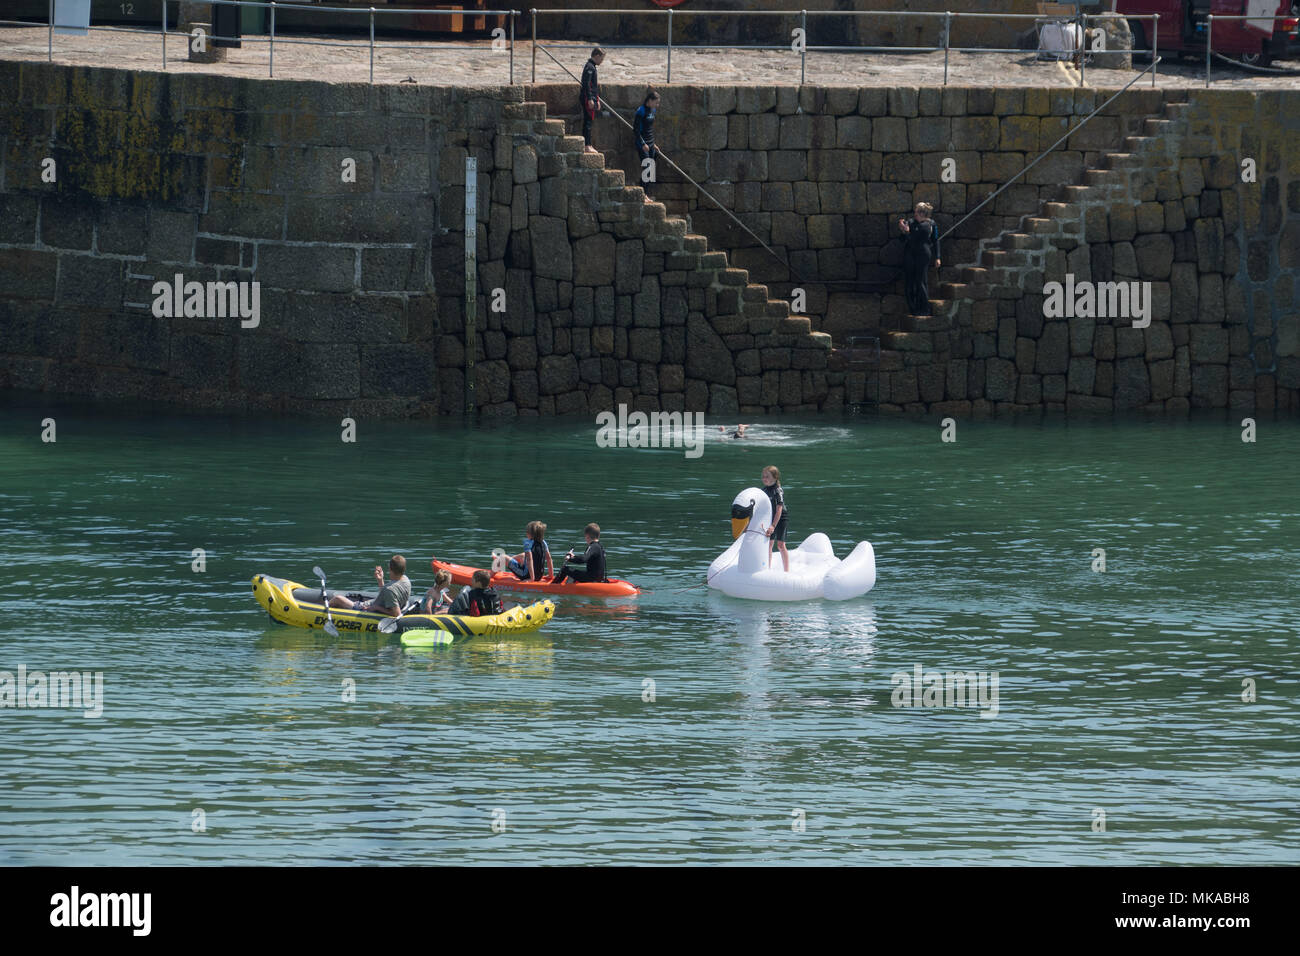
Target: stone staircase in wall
(745, 352)
(1008, 266)
(917, 353)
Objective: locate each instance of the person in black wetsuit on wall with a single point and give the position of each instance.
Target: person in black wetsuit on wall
(643, 131)
(589, 94)
(920, 251)
(593, 561)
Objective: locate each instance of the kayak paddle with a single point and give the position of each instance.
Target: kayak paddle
(330, 629)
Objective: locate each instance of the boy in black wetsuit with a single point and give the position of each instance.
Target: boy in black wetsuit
(920, 250)
(643, 131)
(593, 561)
(589, 94)
(481, 599)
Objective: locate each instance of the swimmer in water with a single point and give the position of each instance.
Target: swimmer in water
(738, 433)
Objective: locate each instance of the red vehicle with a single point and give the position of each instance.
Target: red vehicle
(1183, 27)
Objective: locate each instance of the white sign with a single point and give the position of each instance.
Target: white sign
(1263, 9)
(72, 17)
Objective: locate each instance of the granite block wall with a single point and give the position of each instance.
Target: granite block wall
(610, 299)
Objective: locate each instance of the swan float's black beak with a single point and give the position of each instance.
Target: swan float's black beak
(740, 518)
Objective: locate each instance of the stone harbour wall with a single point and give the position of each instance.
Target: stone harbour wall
(1151, 190)
(609, 299)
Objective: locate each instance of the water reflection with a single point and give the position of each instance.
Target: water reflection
(1121, 687)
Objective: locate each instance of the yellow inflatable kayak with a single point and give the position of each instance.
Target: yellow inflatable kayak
(291, 603)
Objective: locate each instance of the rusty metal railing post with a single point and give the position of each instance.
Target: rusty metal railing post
(1209, 45)
(1155, 49)
(947, 43)
(803, 51)
(670, 45)
(1083, 52)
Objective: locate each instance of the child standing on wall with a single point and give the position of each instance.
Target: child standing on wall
(780, 516)
(589, 94)
(920, 250)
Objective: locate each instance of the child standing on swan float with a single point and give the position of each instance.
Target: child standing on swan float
(776, 533)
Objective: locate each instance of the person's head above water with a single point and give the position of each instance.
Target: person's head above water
(771, 475)
(592, 532)
(481, 578)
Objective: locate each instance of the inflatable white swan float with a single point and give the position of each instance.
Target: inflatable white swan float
(742, 570)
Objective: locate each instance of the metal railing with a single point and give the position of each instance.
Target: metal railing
(685, 175)
(991, 196)
(271, 39)
(801, 47)
(1209, 35)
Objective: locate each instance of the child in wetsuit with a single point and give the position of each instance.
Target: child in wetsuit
(780, 515)
(536, 556)
(643, 132)
(481, 599)
(592, 561)
(589, 95)
(920, 251)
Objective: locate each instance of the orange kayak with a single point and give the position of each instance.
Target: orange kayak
(506, 581)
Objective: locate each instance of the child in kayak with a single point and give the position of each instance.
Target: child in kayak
(592, 561)
(479, 600)
(437, 600)
(392, 597)
(528, 565)
(780, 515)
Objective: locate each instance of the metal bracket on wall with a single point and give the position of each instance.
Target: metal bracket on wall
(471, 277)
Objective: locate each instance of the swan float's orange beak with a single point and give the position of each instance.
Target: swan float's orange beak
(741, 516)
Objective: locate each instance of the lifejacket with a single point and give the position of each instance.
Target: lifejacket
(539, 550)
(484, 602)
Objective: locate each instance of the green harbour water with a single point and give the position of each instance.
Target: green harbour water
(1118, 691)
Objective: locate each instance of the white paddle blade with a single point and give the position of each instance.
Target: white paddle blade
(330, 629)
